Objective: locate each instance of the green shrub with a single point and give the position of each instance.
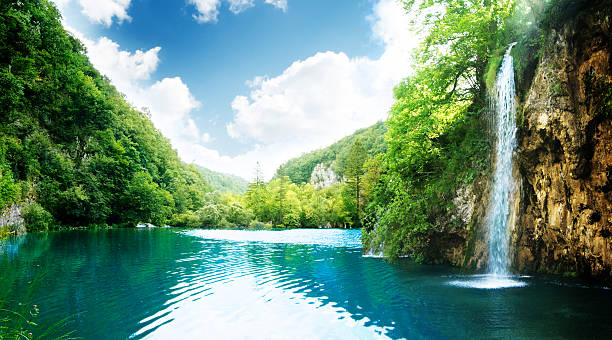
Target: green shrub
(257, 225)
(238, 216)
(8, 188)
(186, 219)
(209, 215)
(36, 218)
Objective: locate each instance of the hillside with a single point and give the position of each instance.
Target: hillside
(300, 169)
(223, 182)
(73, 152)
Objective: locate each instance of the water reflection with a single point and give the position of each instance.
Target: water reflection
(261, 285)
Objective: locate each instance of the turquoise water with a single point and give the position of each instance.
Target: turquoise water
(295, 284)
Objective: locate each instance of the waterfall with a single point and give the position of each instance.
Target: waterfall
(504, 106)
(503, 182)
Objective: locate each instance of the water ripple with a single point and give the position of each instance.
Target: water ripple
(245, 278)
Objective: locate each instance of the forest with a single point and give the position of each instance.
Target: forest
(72, 150)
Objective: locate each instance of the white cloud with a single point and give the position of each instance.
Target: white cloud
(123, 67)
(282, 4)
(206, 138)
(101, 11)
(170, 102)
(311, 104)
(237, 6)
(269, 157)
(316, 101)
(208, 10)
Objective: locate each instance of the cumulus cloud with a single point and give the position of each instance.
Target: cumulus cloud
(282, 4)
(123, 67)
(208, 10)
(101, 11)
(319, 99)
(170, 102)
(316, 101)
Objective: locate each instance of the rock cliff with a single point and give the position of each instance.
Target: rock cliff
(564, 156)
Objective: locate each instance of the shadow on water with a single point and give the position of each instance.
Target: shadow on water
(156, 283)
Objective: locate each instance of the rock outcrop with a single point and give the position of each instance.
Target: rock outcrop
(11, 219)
(564, 156)
(323, 176)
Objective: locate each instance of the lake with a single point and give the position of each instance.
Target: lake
(163, 283)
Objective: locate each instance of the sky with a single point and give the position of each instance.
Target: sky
(234, 82)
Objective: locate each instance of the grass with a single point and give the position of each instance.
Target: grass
(20, 323)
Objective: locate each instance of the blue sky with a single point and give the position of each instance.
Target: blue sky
(233, 82)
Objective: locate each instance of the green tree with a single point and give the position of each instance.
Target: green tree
(282, 191)
(354, 171)
(256, 195)
(210, 215)
(435, 138)
(145, 201)
(69, 138)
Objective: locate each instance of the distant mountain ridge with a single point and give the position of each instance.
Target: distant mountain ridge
(333, 157)
(222, 182)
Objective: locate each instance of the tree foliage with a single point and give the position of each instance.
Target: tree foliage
(335, 156)
(69, 140)
(224, 183)
(437, 127)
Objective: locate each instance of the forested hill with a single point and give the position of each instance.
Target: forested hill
(299, 169)
(72, 151)
(222, 182)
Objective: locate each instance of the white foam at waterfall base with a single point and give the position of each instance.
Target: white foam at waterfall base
(488, 281)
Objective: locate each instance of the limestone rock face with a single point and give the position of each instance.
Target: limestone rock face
(323, 176)
(11, 218)
(459, 237)
(564, 156)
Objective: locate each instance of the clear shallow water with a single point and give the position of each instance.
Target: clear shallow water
(295, 284)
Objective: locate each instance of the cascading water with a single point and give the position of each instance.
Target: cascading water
(503, 182)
